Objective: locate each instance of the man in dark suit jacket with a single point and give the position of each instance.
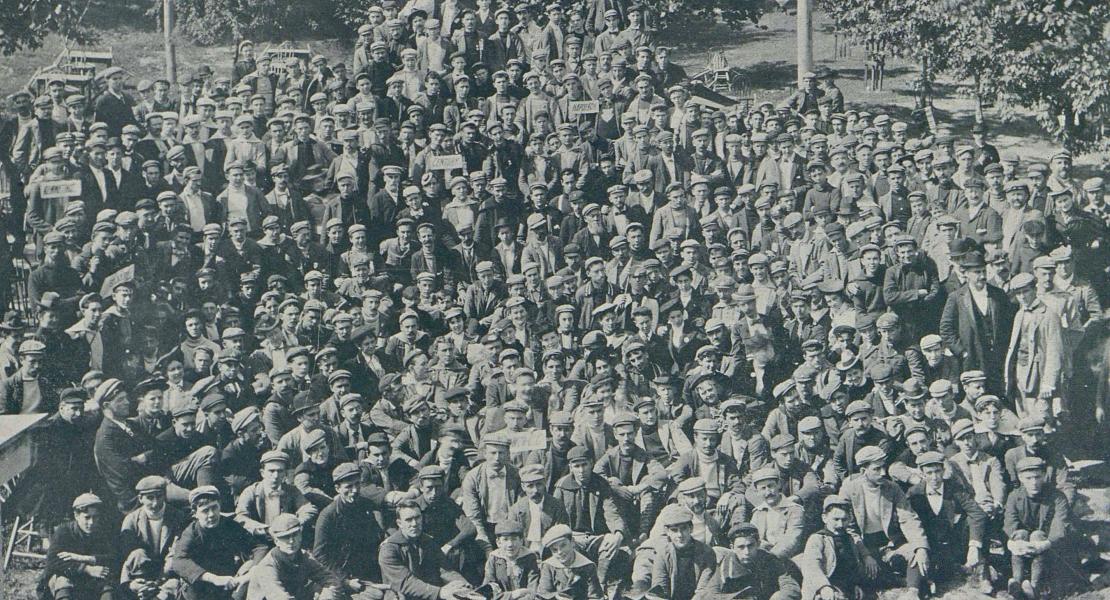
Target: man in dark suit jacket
(113, 107)
(89, 534)
(953, 521)
(667, 159)
(976, 334)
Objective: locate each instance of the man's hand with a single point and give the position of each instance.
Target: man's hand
(871, 567)
(354, 585)
(610, 544)
(972, 556)
(453, 589)
(96, 571)
(446, 549)
(920, 560)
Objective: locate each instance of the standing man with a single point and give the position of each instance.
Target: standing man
(113, 106)
(1034, 361)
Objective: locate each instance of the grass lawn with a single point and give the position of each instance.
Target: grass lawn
(766, 55)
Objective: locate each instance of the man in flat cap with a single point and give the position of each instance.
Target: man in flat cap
(684, 567)
(412, 564)
(146, 537)
(1035, 357)
(753, 571)
(213, 553)
(113, 106)
(1042, 538)
(83, 554)
(261, 502)
(288, 571)
(895, 546)
(954, 523)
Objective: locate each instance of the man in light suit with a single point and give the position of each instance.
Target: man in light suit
(893, 538)
(780, 520)
(240, 200)
(490, 489)
(1034, 361)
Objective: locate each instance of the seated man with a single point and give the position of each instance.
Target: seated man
(635, 478)
(262, 501)
(82, 555)
(592, 513)
(1035, 443)
(707, 528)
(287, 571)
(832, 563)
(181, 454)
(512, 570)
(566, 573)
(1038, 523)
(779, 520)
(447, 525)
(684, 567)
(411, 563)
(892, 534)
(212, 555)
(536, 510)
(347, 533)
(490, 488)
(954, 524)
(717, 470)
(146, 536)
(755, 573)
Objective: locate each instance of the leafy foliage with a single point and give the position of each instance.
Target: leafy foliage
(210, 21)
(1049, 56)
(25, 23)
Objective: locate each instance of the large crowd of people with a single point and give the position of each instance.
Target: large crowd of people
(503, 308)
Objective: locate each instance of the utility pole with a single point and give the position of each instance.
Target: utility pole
(167, 32)
(805, 38)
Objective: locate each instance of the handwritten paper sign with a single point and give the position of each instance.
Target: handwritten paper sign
(526, 441)
(62, 188)
(582, 107)
(445, 162)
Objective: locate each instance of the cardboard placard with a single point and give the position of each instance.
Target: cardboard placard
(121, 276)
(62, 188)
(526, 441)
(582, 107)
(445, 162)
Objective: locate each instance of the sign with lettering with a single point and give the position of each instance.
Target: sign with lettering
(445, 162)
(582, 107)
(526, 441)
(62, 188)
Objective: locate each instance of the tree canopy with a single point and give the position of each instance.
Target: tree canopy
(1049, 56)
(24, 24)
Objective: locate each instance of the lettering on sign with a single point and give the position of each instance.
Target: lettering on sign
(582, 107)
(445, 162)
(62, 188)
(526, 441)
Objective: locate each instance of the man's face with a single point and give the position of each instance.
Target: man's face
(680, 535)
(410, 522)
(580, 469)
(1032, 481)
